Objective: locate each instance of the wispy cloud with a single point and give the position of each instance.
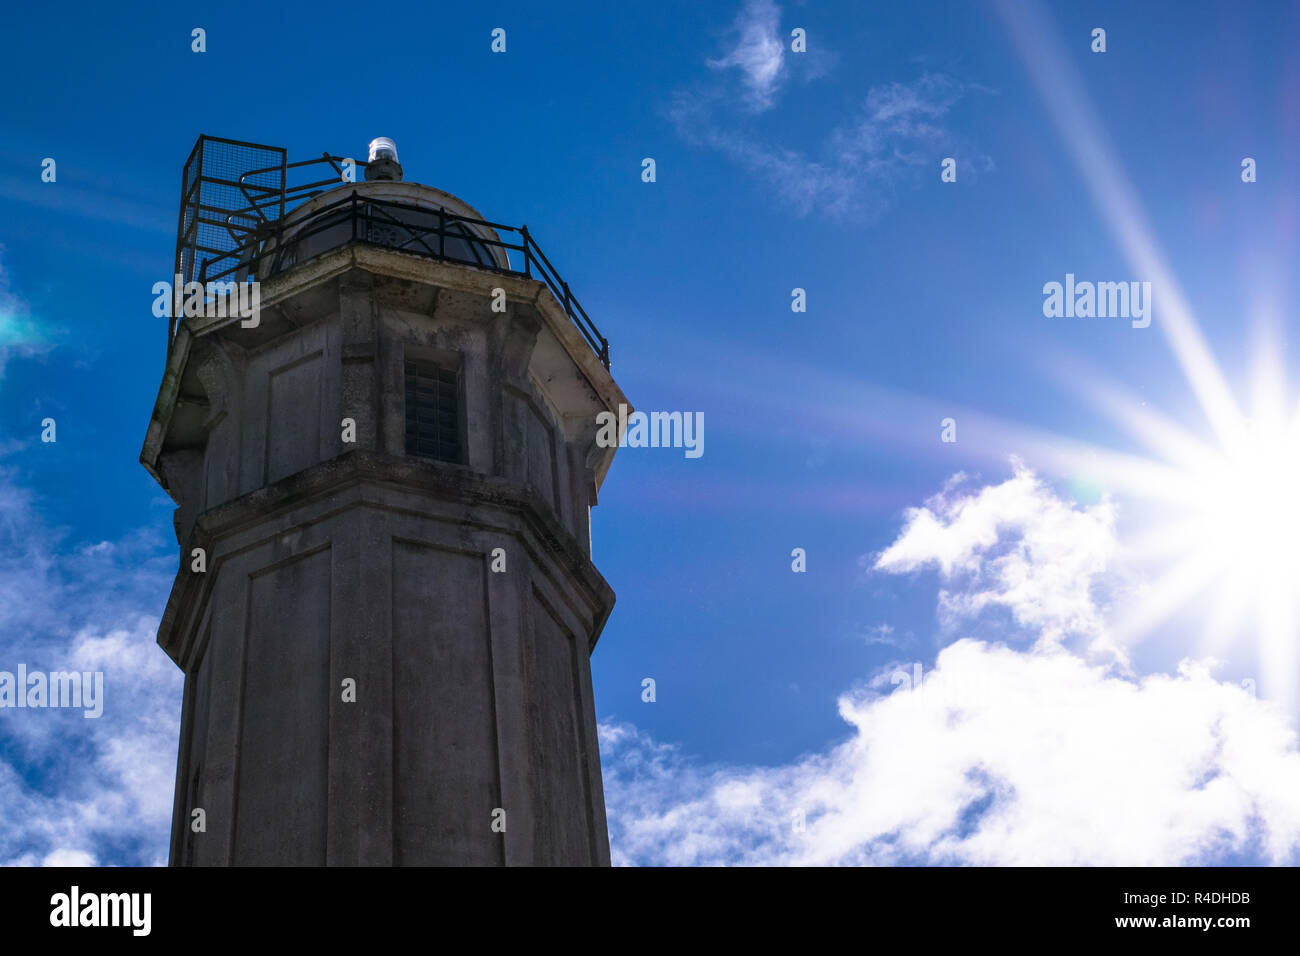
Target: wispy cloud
(898, 130)
(93, 187)
(900, 127)
(758, 52)
(21, 335)
(999, 756)
(883, 634)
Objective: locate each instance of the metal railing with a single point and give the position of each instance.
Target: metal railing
(233, 226)
(422, 232)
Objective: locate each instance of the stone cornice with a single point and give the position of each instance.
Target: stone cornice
(314, 485)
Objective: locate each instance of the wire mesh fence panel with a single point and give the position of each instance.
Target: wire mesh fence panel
(230, 188)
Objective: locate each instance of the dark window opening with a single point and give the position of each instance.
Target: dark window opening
(432, 411)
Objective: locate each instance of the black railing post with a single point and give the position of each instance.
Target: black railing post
(528, 264)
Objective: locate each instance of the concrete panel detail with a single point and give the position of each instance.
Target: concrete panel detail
(557, 732)
(283, 730)
(445, 761)
(189, 777)
(293, 417)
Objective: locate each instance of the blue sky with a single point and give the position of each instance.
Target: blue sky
(775, 170)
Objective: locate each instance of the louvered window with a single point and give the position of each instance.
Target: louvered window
(433, 411)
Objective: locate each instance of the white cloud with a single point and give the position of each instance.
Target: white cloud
(1014, 545)
(758, 52)
(76, 789)
(1000, 756)
(68, 858)
(1005, 758)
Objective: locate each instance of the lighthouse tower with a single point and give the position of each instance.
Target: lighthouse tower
(378, 423)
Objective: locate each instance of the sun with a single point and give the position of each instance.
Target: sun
(1211, 523)
(1222, 523)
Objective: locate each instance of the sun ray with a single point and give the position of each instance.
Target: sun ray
(1163, 599)
(1231, 505)
(1050, 67)
(1158, 432)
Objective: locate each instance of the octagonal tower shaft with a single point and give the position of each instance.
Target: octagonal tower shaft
(388, 478)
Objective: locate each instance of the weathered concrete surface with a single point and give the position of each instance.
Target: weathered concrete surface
(330, 562)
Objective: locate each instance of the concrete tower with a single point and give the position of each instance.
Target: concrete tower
(386, 601)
